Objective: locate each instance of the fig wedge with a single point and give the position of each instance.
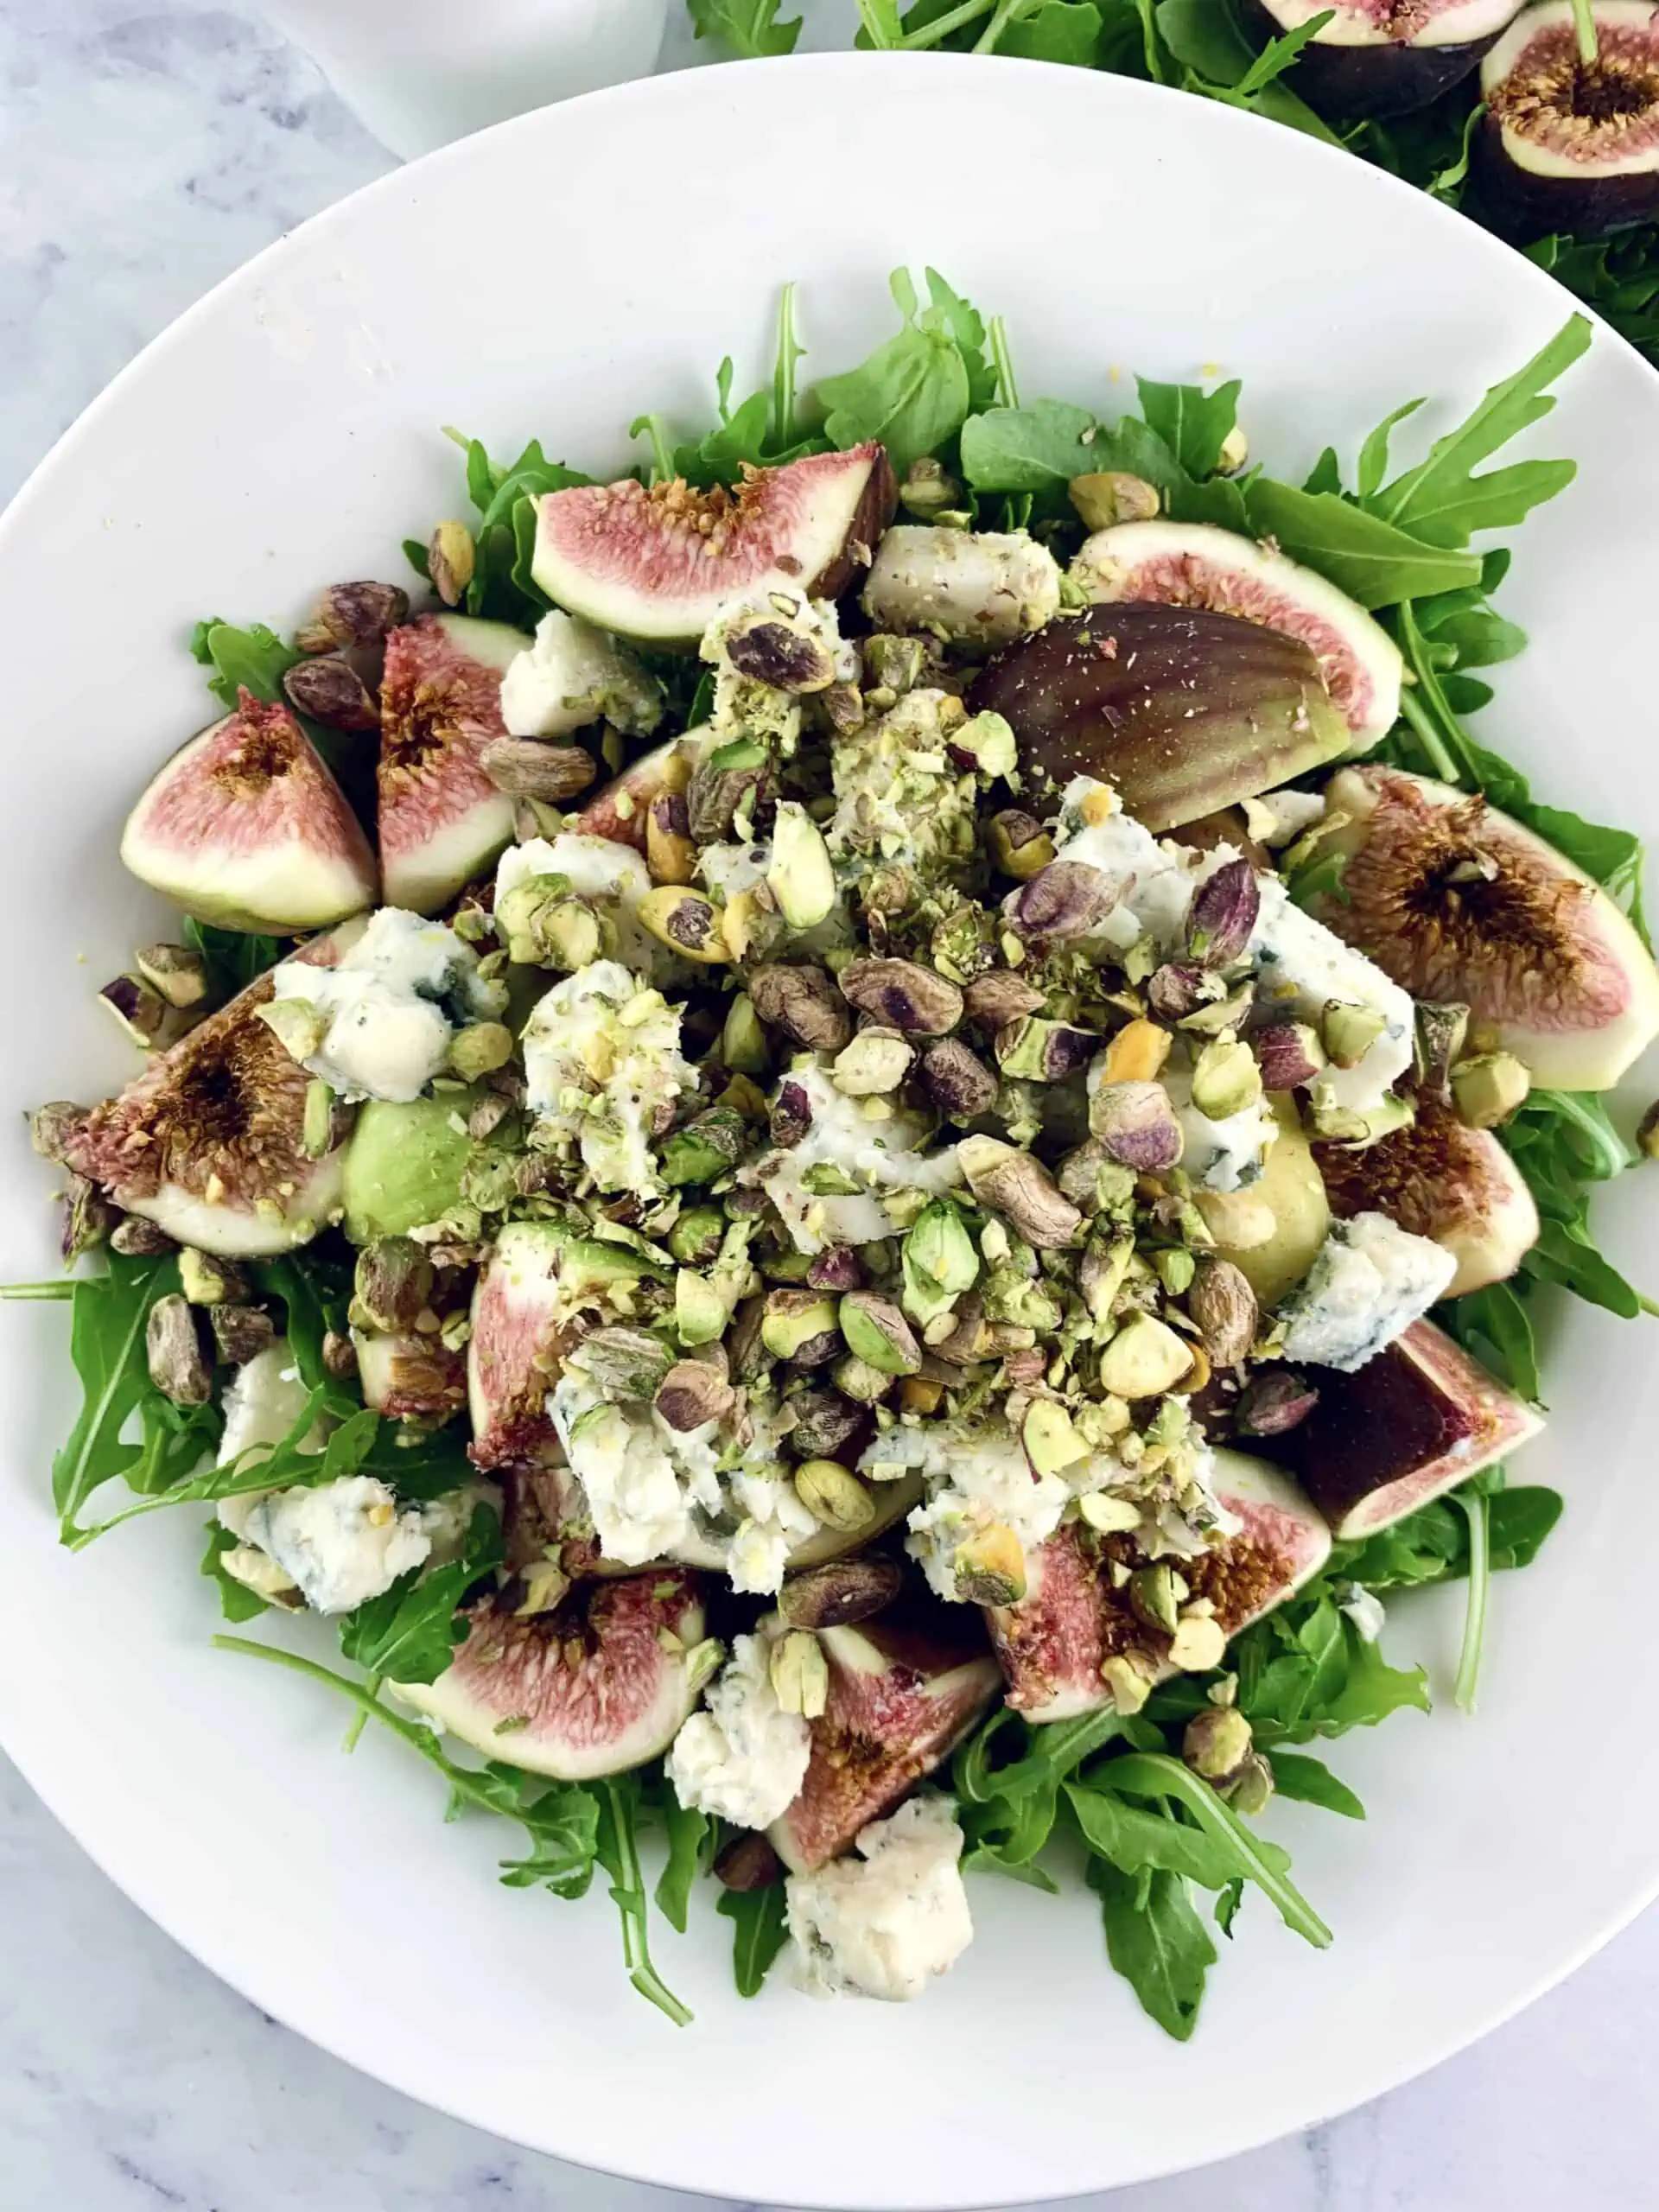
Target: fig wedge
(1181, 710)
(245, 827)
(1381, 57)
(602, 1683)
(1568, 144)
(1195, 564)
(1459, 904)
(1071, 1621)
(1418, 1420)
(904, 1687)
(660, 563)
(209, 1142)
(1440, 1180)
(441, 820)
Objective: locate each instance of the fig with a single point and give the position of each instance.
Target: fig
(1074, 1619)
(1566, 143)
(210, 1142)
(1441, 1180)
(660, 563)
(245, 827)
(1417, 1420)
(441, 819)
(1459, 903)
(904, 1687)
(601, 1683)
(1273, 1228)
(404, 1163)
(1194, 564)
(1182, 711)
(409, 1378)
(622, 809)
(1381, 57)
(520, 1333)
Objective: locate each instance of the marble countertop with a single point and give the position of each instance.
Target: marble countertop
(146, 148)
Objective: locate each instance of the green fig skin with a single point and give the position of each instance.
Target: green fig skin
(1181, 710)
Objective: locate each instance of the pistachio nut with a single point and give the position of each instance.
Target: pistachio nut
(1103, 1271)
(801, 876)
(877, 1332)
(986, 744)
(1274, 1401)
(1487, 1089)
(747, 1863)
(719, 784)
(1107, 1515)
(1066, 900)
(176, 973)
(139, 1239)
(528, 767)
(1348, 1032)
(330, 690)
(1252, 1791)
(392, 1286)
(790, 1116)
(338, 1355)
(1647, 1134)
(1216, 1743)
(1199, 1644)
(921, 1394)
(451, 557)
(1155, 1592)
(804, 1001)
(958, 1080)
(837, 1267)
(1223, 915)
(141, 1012)
(844, 1591)
(1346, 1125)
(856, 1379)
(1181, 988)
(693, 1394)
(800, 1326)
(1104, 497)
(742, 1041)
(240, 1333)
(1225, 1079)
(52, 1127)
(1288, 1054)
(828, 1425)
(1136, 1125)
(206, 1281)
(928, 489)
(1223, 1306)
(700, 1311)
(696, 1237)
(903, 996)
(478, 1049)
(1137, 1053)
(352, 614)
(992, 1001)
(1036, 1051)
(1144, 1358)
(833, 1495)
(1050, 1439)
(670, 852)
(178, 1366)
(876, 1061)
(542, 926)
(990, 1568)
(1020, 1189)
(937, 1261)
(1441, 1031)
(1021, 847)
(1228, 1014)
(783, 658)
(1129, 1682)
(686, 922)
(704, 1148)
(894, 664)
(623, 1363)
(799, 1674)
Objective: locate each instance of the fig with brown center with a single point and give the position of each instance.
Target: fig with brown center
(1457, 902)
(660, 563)
(442, 818)
(1570, 142)
(210, 1143)
(245, 827)
(1381, 57)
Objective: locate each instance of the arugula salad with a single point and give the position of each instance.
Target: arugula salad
(852, 1143)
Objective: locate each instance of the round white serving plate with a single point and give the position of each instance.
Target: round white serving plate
(557, 277)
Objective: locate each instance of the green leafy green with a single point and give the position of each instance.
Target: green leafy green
(235, 957)
(1306, 1671)
(1193, 423)
(255, 660)
(760, 1929)
(502, 588)
(916, 391)
(619, 1800)
(1311, 1783)
(410, 1633)
(1374, 560)
(1156, 1941)
(1474, 1505)
(1028, 449)
(750, 28)
(689, 1833)
(236, 1601)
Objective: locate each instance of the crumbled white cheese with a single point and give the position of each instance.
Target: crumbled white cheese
(1223, 1155)
(743, 1758)
(572, 676)
(886, 1923)
(1364, 1608)
(640, 1478)
(262, 1403)
(1159, 875)
(609, 877)
(388, 1034)
(745, 706)
(877, 1155)
(1369, 1283)
(343, 1542)
(774, 1522)
(977, 1477)
(601, 1057)
(1302, 966)
(1278, 817)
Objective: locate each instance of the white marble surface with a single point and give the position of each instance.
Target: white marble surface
(147, 147)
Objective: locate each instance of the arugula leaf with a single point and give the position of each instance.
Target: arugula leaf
(914, 392)
(1132, 1838)
(255, 658)
(235, 957)
(1374, 453)
(750, 28)
(1432, 1544)
(1442, 499)
(502, 588)
(618, 1851)
(1306, 1671)
(1474, 1506)
(1031, 449)
(760, 1929)
(1366, 555)
(1054, 30)
(1194, 424)
(1311, 1783)
(688, 1832)
(411, 1632)
(236, 1601)
(1157, 1943)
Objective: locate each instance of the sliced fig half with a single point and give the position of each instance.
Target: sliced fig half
(1417, 1420)
(621, 809)
(520, 1333)
(1381, 57)
(209, 1142)
(245, 827)
(1181, 710)
(441, 820)
(1194, 564)
(602, 1683)
(660, 563)
(1438, 1179)
(1568, 144)
(904, 1687)
(411, 1377)
(1459, 904)
(1055, 1642)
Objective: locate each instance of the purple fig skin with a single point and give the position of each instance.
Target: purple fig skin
(1183, 711)
(1521, 206)
(1359, 82)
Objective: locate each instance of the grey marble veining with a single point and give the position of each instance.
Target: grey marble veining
(147, 147)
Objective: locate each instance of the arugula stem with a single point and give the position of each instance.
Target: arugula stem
(870, 16)
(1154, 1773)
(1007, 12)
(662, 453)
(1006, 391)
(783, 375)
(1422, 727)
(1480, 1576)
(360, 1718)
(1583, 22)
(1611, 1154)
(628, 1888)
(942, 26)
(64, 1288)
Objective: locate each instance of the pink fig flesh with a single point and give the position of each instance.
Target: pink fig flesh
(904, 1687)
(1459, 904)
(620, 812)
(245, 827)
(660, 563)
(1417, 1420)
(1437, 1179)
(441, 820)
(519, 1337)
(599, 1685)
(1055, 1642)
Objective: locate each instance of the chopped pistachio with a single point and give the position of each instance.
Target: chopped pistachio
(990, 1568)
(1144, 1359)
(834, 1495)
(800, 1674)
(1487, 1089)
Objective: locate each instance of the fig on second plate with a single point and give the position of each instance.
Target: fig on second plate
(441, 820)
(1181, 710)
(600, 1684)
(1460, 905)
(1381, 57)
(1570, 143)
(659, 564)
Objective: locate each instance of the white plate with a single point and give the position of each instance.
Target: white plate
(557, 277)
